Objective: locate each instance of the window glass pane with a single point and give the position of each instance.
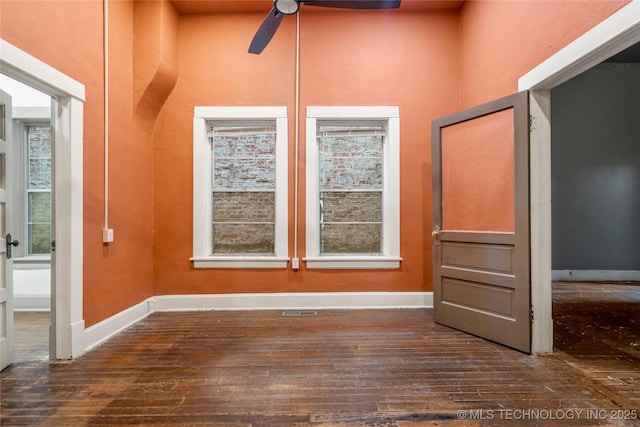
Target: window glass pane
(243, 238)
(243, 184)
(39, 150)
(39, 173)
(40, 207)
(39, 239)
(233, 174)
(240, 141)
(351, 182)
(243, 207)
(350, 207)
(351, 162)
(39, 223)
(39, 189)
(350, 238)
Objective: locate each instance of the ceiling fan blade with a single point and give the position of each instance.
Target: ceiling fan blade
(354, 4)
(266, 31)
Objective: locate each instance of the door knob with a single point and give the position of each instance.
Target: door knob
(10, 244)
(435, 234)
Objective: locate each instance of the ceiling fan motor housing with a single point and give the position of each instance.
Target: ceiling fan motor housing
(286, 7)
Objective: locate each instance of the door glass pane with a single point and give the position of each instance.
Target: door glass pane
(3, 134)
(478, 174)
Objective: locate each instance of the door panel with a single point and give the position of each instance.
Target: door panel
(481, 221)
(6, 266)
(477, 174)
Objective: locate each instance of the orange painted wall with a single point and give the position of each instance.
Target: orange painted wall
(503, 40)
(429, 64)
(347, 58)
(68, 36)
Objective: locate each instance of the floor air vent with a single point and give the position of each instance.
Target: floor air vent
(298, 313)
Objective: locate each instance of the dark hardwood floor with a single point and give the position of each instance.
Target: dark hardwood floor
(342, 368)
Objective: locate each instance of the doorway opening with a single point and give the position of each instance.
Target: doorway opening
(595, 182)
(612, 36)
(67, 325)
(29, 218)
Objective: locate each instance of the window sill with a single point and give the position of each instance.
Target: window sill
(353, 262)
(32, 262)
(240, 262)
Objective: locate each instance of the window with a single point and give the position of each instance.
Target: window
(352, 182)
(38, 190)
(240, 187)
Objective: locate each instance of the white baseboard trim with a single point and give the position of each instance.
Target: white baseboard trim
(32, 303)
(77, 338)
(293, 300)
(103, 331)
(595, 275)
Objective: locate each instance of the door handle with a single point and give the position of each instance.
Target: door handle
(10, 244)
(435, 234)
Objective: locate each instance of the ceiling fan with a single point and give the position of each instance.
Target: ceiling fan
(290, 7)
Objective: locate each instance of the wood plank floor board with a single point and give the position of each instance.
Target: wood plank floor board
(392, 368)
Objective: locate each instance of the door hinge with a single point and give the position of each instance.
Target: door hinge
(531, 123)
(531, 314)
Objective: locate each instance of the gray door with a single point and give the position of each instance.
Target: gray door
(481, 261)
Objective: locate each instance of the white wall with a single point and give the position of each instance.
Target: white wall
(32, 289)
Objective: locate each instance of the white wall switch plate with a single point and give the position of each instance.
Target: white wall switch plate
(107, 235)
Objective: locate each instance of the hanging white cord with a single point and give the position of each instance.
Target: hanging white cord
(297, 139)
(106, 113)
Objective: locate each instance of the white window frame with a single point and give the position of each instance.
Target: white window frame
(26, 191)
(390, 257)
(202, 205)
(23, 118)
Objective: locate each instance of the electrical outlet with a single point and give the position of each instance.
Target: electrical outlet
(295, 263)
(107, 235)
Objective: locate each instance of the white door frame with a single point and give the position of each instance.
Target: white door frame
(67, 336)
(616, 33)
